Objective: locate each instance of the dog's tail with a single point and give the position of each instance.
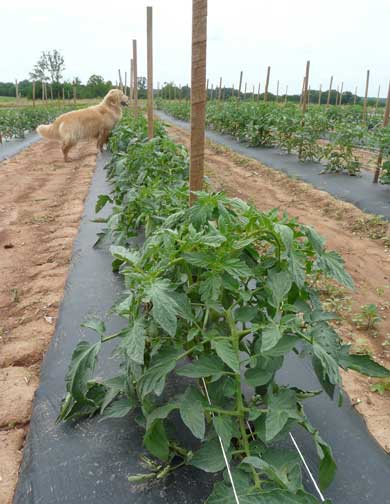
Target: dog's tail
(48, 131)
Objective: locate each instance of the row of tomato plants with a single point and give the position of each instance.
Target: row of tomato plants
(214, 299)
(327, 135)
(15, 122)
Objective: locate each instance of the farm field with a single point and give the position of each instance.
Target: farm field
(334, 136)
(195, 304)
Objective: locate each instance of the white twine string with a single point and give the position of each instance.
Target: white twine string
(307, 468)
(223, 449)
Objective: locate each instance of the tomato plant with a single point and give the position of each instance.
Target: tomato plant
(218, 294)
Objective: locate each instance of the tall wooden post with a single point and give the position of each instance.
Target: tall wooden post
(302, 92)
(135, 77)
(131, 82)
(366, 96)
(245, 91)
(253, 92)
(341, 93)
(120, 84)
(337, 95)
(17, 91)
(125, 90)
(329, 91)
(377, 99)
(258, 92)
(267, 84)
(149, 22)
(198, 98)
(220, 89)
(319, 95)
(239, 86)
(277, 92)
(33, 93)
(305, 94)
(285, 96)
(385, 123)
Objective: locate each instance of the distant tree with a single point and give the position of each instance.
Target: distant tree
(39, 72)
(55, 64)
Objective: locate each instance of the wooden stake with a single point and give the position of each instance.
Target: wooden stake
(308, 96)
(239, 86)
(329, 91)
(365, 97)
(337, 96)
(253, 93)
(17, 91)
(33, 93)
(258, 92)
(267, 84)
(385, 123)
(120, 80)
(198, 98)
(149, 16)
(125, 91)
(285, 96)
(319, 95)
(305, 95)
(341, 93)
(245, 92)
(135, 77)
(220, 89)
(377, 99)
(277, 91)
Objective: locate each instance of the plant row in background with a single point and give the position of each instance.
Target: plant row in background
(327, 135)
(15, 122)
(217, 296)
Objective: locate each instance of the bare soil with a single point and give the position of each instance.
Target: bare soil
(362, 239)
(41, 202)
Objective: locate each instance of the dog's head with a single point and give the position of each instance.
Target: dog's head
(116, 97)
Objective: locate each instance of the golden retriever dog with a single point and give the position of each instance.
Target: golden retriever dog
(92, 122)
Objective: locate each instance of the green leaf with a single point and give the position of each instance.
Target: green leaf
(263, 372)
(118, 409)
(280, 465)
(153, 379)
(199, 259)
(160, 413)
(315, 239)
(362, 364)
(191, 412)
(209, 457)
(156, 441)
(279, 284)
(223, 426)
(281, 407)
(165, 308)
(330, 368)
(101, 202)
(124, 254)
(332, 264)
(246, 313)
(114, 386)
(81, 368)
(286, 234)
(296, 268)
(270, 337)
(225, 351)
(283, 346)
(135, 342)
(208, 365)
(236, 268)
(210, 288)
(96, 325)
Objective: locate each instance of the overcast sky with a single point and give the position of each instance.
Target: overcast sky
(340, 37)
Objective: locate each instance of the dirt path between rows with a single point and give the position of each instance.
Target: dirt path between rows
(363, 240)
(41, 203)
